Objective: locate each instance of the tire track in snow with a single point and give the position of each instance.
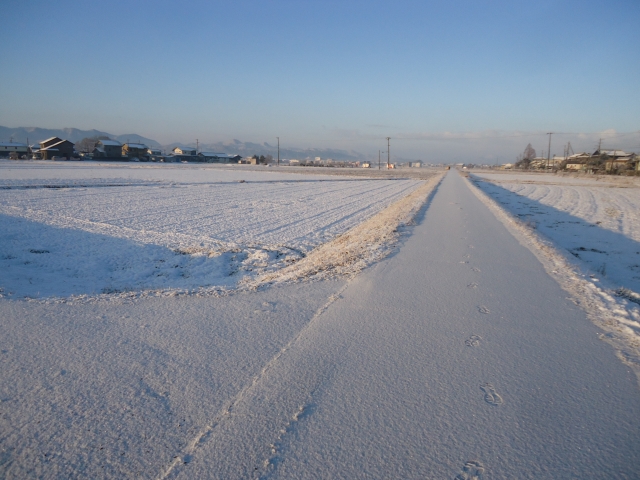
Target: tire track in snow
(225, 414)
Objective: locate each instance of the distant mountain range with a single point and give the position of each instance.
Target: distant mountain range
(33, 135)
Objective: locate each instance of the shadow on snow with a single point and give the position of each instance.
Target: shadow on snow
(609, 254)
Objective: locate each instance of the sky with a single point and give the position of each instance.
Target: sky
(471, 81)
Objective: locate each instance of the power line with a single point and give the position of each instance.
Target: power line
(388, 152)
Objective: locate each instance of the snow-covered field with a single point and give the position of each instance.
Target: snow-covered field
(83, 229)
(432, 364)
(596, 219)
(119, 387)
(593, 227)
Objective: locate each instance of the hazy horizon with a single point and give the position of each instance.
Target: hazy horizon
(447, 82)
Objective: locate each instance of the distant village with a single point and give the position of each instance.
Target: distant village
(55, 148)
(601, 161)
(616, 162)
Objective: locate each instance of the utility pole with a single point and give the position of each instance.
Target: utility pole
(197, 145)
(549, 151)
(378, 159)
(388, 152)
(278, 150)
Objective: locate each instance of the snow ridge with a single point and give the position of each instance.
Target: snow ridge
(359, 247)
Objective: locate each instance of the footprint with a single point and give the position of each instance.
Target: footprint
(473, 341)
(483, 309)
(490, 395)
(472, 470)
(475, 269)
(472, 285)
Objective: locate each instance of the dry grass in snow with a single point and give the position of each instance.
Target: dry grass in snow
(359, 247)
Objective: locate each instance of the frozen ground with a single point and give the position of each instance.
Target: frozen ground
(455, 357)
(85, 229)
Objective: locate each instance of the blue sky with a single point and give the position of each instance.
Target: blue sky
(458, 81)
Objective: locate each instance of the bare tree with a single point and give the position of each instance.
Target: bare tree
(87, 144)
(529, 153)
(522, 162)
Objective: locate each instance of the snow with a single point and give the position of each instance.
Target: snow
(116, 389)
(455, 355)
(83, 231)
(597, 221)
(586, 230)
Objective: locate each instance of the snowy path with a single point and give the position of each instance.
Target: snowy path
(456, 356)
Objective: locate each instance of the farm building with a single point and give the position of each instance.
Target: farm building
(56, 147)
(108, 149)
(13, 149)
(134, 150)
(211, 157)
(184, 151)
(616, 159)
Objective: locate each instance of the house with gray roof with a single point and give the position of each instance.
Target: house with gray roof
(13, 149)
(108, 149)
(184, 151)
(135, 150)
(212, 157)
(56, 147)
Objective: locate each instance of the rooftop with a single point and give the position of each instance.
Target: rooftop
(213, 154)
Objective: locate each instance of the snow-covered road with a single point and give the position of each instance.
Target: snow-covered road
(456, 357)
